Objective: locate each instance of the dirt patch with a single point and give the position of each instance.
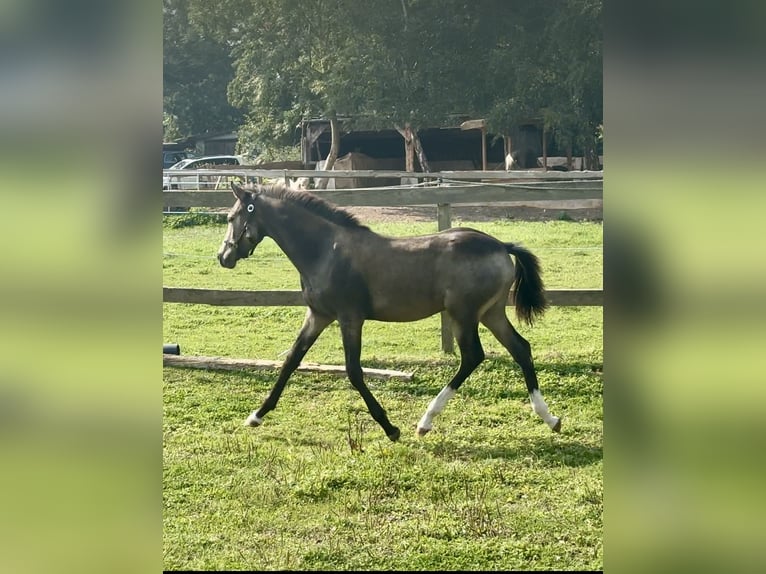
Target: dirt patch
(589, 210)
(584, 210)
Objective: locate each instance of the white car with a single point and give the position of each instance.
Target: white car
(172, 157)
(197, 180)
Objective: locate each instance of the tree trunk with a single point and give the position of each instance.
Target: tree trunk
(412, 142)
(591, 158)
(420, 153)
(333, 155)
(409, 149)
(508, 156)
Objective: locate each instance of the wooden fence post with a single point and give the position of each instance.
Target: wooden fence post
(444, 217)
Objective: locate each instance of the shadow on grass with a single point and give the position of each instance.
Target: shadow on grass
(549, 453)
(425, 384)
(540, 451)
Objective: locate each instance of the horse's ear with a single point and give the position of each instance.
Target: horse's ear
(239, 192)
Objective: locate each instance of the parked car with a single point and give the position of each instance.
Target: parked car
(198, 181)
(172, 157)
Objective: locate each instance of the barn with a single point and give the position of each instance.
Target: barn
(464, 146)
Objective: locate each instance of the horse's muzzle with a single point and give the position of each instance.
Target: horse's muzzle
(229, 262)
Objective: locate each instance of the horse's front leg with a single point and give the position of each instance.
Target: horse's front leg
(351, 331)
(313, 325)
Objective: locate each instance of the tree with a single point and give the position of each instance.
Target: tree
(579, 32)
(385, 63)
(170, 131)
(547, 62)
(197, 70)
(293, 60)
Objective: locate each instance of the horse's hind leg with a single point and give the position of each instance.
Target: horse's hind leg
(497, 322)
(471, 355)
(313, 325)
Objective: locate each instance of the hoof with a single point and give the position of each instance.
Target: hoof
(252, 421)
(394, 436)
(421, 432)
(557, 426)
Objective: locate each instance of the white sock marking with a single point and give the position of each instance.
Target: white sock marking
(435, 407)
(253, 419)
(539, 406)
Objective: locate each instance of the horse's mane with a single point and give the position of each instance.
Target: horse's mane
(312, 203)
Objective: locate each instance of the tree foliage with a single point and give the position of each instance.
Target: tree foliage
(197, 70)
(425, 62)
(546, 63)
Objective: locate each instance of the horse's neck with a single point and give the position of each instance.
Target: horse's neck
(302, 235)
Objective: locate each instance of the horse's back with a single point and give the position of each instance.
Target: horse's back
(411, 278)
(465, 241)
(475, 268)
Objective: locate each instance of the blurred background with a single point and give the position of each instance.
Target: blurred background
(684, 265)
(80, 294)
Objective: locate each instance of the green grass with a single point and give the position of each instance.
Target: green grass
(320, 487)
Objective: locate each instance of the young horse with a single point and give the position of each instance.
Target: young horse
(351, 274)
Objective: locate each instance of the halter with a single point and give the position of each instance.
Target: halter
(235, 244)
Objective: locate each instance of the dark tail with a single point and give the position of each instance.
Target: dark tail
(528, 288)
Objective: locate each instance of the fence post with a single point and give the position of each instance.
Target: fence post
(444, 217)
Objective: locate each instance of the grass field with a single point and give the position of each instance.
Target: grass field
(320, 487)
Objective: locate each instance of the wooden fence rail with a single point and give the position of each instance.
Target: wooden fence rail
(529, 187)
(465, 175)
(290, 298)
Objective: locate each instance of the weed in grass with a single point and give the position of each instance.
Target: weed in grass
(355, 432)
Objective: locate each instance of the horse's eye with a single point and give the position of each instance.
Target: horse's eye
(250, 208)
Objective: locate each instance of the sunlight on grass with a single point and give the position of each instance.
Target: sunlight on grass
(570, 254)
(319, 487)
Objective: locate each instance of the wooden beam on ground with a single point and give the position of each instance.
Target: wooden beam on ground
(228, 364)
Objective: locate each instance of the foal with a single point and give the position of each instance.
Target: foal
(350, 274)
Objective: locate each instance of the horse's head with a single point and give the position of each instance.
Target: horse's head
(244, 231)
